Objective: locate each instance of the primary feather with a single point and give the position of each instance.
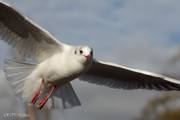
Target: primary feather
(28, 38)
(118, 76)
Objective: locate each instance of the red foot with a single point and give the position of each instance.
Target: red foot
(33, 101)
(35, 97)
(45, 99)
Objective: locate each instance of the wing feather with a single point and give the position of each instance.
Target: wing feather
(28, 38)
(117, 76)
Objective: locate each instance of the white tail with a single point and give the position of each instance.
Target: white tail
(16, 74)
(64, 97)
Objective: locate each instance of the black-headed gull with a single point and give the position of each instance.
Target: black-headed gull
(60, 63)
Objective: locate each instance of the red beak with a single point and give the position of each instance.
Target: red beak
(88, 57)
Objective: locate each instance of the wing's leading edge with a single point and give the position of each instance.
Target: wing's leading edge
(117, 76)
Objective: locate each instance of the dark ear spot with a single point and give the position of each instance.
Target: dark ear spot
(91, 53)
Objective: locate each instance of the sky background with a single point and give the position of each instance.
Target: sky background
(142, 34)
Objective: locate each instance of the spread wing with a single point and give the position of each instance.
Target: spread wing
(28, 38)
(117, 76)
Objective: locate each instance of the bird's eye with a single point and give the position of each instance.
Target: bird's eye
(91, 53)
(81, 52)
(75, 52)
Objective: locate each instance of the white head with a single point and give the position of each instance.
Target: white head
(84, 54)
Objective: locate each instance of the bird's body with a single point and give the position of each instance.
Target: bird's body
(58, 64)
(58, 70)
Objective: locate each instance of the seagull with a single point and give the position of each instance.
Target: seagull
(59, 63)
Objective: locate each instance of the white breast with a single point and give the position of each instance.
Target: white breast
(60, 67)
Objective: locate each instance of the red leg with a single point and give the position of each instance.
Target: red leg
(33, 101)
(45, 99)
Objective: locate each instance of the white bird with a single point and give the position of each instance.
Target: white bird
(60, 63)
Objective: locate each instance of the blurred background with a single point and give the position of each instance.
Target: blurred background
(141, 34)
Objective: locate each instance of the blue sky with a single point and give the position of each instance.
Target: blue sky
(116, 23)
(142, 34)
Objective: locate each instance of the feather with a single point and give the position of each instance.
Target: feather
(16, 74)
(118, 76)
(64, 97)
(29, 39)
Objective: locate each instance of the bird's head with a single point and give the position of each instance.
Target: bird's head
(84, 54)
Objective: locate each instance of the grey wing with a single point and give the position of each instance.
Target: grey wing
(117, 76)
(27, 37)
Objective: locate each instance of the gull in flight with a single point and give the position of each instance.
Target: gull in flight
(59, 63)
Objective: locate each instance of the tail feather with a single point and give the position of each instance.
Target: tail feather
(65, 97)
(16, 74)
